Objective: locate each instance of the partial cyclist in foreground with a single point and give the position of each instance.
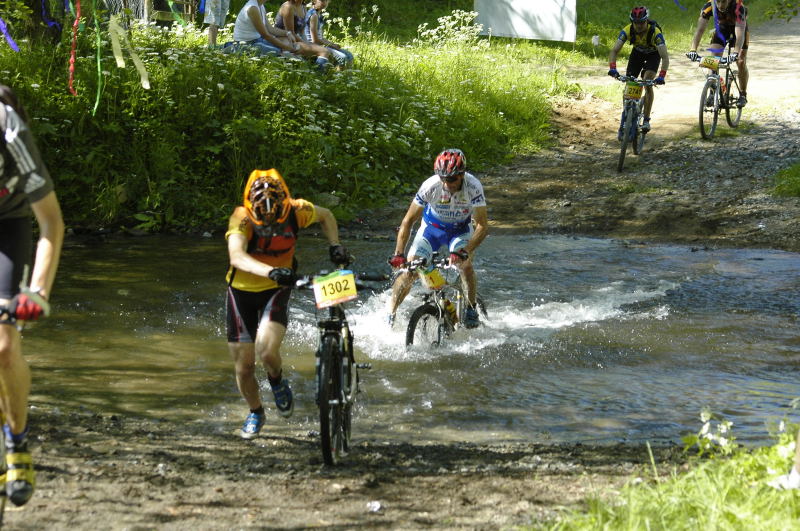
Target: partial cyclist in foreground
(649, 50)
(448, 203)
(25, 187)
(262, 234)
(733, 28)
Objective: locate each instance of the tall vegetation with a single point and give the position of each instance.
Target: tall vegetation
(175, 155)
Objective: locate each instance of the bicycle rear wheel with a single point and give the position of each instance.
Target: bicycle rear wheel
(427, 327)
(630, 123)
(709, 113)
(733, 113)
(330, 401)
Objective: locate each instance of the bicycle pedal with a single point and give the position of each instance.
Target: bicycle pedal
(365, 366)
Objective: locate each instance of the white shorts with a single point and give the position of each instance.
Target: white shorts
(216, 11)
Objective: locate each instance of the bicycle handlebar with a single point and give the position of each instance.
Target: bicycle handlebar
(420, 263)
(640, 82)
(723, 59)
(307, 281)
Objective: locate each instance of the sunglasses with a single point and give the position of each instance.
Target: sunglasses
(451, 178)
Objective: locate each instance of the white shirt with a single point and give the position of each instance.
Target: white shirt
(444, 207)
(243, 29)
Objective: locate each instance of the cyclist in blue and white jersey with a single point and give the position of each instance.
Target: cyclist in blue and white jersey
(448, 203)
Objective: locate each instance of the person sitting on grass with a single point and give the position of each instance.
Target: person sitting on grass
(292, 17)
(315, 33)
(252, 31)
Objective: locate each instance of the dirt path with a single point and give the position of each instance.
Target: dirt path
(682, 189)
(101, 471)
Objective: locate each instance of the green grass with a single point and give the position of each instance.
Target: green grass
(787, 181)
(720, 493)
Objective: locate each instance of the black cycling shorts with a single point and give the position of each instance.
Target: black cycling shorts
(730, 34)
(15, 253)
(640, 62)
(246, 310)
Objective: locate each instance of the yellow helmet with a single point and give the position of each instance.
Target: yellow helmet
(266, 197)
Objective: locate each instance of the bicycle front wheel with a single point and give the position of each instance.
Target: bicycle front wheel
(427, 327)
(709, 108)
(638, 140)
(733, 113)
(627, 132)
(330, 401)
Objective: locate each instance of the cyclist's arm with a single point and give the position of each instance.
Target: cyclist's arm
(413, 215)
(612, 56)
(237, 252)
(481, 218)
(329, 226)
(662, 51)
(51, 237)
(702, 24)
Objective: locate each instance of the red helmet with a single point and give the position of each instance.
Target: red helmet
(639, 14)
(266, 197)
(450, 162)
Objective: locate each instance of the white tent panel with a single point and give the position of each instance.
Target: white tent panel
(550, 20)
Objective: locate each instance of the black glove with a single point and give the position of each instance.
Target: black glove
(692, 55)
(283, 276)
(339, 254)
(613, 72)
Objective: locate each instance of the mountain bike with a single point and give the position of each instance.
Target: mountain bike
(443, 305)
(336, 369)
(632, 116)
(718, 93)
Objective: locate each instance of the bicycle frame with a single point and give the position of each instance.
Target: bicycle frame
(718, 93)
(633, 108)
(445, 302)
(336, 373)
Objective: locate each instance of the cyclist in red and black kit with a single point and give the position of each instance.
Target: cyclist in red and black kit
(732, 17)
(649, 50)
(25, 188)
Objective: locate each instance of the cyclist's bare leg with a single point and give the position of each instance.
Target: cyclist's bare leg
(401, 288)
(744, 74)
(649, 95)
(470, 280)
(268, 343)
(15, 379)
(244, 359)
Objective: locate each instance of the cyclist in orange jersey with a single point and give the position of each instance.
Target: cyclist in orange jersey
(262, 234)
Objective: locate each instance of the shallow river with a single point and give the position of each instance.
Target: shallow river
(588, 340)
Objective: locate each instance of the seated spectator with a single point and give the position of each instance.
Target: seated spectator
(252, 31)
(315, 33)
(291, 17)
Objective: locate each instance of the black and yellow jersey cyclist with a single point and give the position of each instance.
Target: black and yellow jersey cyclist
(649, 50)
(731, 17)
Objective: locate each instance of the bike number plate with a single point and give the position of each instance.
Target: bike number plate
(432, 279)
(633, 91)
(335, 288)
(711, 62)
